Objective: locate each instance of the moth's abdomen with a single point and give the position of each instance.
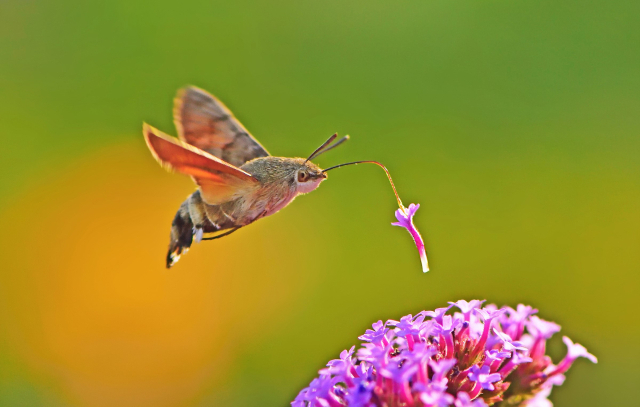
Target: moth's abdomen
(181, 234)
(193, 220)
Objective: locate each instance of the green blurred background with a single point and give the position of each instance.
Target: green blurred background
(515, 124)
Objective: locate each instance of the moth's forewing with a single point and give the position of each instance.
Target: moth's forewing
(206, 123)
(219, 181)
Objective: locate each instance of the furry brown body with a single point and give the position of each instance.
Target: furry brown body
(238, 181)
(278, 187)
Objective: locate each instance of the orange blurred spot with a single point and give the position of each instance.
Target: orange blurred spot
(88, 303)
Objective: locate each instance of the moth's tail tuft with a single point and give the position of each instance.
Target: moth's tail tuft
(181, 235)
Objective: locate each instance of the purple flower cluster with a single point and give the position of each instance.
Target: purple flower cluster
(473, 357)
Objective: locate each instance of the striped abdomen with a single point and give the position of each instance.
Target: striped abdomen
(193, 219)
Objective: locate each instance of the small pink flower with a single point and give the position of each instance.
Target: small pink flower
(405, 219)
(574, 351)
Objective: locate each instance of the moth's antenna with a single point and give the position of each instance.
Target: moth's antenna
(326, 143)
(331, 147)
(379, 165)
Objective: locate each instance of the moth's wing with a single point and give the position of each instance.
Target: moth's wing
(206, 123)
(219, 181)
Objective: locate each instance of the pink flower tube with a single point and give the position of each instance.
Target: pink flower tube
(405, 219)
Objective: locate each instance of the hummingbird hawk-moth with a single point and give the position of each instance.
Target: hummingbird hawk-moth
(238, 181)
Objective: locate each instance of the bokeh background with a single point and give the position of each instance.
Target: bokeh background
(515, 124)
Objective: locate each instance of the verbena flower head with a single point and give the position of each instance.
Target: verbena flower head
(482, 356)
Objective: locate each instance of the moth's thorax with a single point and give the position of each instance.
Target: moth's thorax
(281, 182)
(268, 169)
(273, 171)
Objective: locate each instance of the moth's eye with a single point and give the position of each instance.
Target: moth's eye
(303, 176)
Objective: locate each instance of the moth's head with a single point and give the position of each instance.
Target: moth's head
(307, 176)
